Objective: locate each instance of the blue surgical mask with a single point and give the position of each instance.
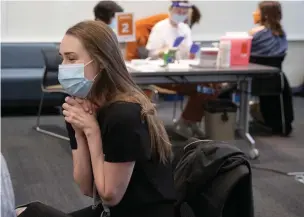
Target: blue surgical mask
(177, 18)
(73, 81)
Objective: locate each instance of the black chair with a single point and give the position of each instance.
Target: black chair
(268, 84)
(274, 92)
(50, 85)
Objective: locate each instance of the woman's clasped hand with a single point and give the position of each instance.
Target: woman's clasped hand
(81, 114)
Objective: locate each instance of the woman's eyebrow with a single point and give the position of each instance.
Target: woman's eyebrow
(68, 53)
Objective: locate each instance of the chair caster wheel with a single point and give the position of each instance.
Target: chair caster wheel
(254, 154)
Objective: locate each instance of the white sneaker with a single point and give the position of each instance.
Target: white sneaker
(183, 129)
(197, 130)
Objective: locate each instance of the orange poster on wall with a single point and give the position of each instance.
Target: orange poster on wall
(125, 27)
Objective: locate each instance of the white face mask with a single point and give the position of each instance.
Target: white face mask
(73, 81)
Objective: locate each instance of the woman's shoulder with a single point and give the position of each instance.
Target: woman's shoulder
(255, 30)
(121, 111)
(161, 24)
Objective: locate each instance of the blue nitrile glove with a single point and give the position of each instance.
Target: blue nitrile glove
(194, 48)
(178, 41)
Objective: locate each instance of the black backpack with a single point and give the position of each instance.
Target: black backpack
(214, 179)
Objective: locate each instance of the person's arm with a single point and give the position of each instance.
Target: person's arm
(255, 30)
(82, 169)
(156, 45)
(7, 193)
(114, 156)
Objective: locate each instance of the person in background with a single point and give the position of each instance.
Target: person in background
(165, 32)
(269, 38)
(194, 16)
(105, 11)
(161, 38)
(7, 193)
(143, 30)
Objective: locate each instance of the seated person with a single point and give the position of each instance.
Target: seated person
(121, 151)
(105, 11)
(269, 38)
(165, 32)
(143, 30)
(161, 38)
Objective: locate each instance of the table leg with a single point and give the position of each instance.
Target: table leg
(243, 128)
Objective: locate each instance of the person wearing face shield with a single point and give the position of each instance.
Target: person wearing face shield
(105, 11)
(165, 32)
(137, 49)
(161, 39)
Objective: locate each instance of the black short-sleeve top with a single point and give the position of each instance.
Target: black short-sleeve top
(125, 138)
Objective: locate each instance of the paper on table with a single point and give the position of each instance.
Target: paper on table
(137, 62)
(147, 68)
(189, 62)
(183, 64)
(178, 66)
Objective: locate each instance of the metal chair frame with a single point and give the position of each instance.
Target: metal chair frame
(48, 89)
(155, 99)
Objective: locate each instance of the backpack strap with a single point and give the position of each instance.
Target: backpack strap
(97, 201)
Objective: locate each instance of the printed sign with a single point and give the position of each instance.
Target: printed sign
(125, 27)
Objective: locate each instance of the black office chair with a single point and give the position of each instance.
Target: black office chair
(268, 84)
(50, 85)
(275, 96)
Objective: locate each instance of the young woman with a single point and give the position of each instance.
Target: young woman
(122, 154)
(161, 38)
(269, 38)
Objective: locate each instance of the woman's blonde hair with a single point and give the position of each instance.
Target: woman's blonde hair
(114, 82)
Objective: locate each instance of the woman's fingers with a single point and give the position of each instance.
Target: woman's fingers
(65, 113)
(80, 101)
(66, 106)
(71, 101)
(85, 104)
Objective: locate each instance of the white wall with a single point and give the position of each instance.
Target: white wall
(294, 63)
(43, 21)
(48, 20)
